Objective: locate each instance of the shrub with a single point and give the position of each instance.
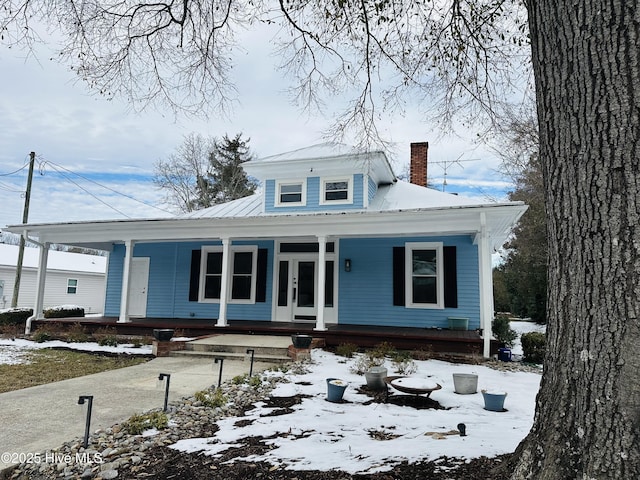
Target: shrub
(77, 334)
(64, 311)
(503, 331)
(384, 349)
(211, 399)
(41, 336)
(139, 423)
(346, 349)
(371, 358)
(15, 316)
(106, 336)
(533, 346)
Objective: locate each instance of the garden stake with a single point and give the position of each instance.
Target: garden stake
(81, 400)
(221, 360)
(162, 376)
(252, 354)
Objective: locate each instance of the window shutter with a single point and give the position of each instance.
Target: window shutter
(450, 277)
(261, 273)
(194, 279)
(398, 276)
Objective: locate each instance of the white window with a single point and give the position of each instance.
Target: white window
(242, 274)
(291, 193)
(336, 190)
(424, 275)
(72, 286)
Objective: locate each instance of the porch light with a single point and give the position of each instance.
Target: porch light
(347, 264)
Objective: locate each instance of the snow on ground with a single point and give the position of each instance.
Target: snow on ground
(323, 435)
(14, 351)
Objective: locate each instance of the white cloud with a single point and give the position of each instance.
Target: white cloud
(47, 111)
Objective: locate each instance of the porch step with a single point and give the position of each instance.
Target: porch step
(232, 356)
(267, 348)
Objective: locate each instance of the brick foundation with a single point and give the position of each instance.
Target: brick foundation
(163, 349)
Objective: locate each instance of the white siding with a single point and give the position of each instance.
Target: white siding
(90, 291)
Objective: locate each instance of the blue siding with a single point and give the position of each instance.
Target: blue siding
(366, 292)
(313, 197)
(169, 274)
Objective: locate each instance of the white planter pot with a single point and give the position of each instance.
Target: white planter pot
(465, 383)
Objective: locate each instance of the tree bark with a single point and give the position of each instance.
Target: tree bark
(586, 58)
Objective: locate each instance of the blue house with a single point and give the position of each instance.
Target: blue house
(332, 237)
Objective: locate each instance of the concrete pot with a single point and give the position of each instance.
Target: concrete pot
(494, 401)
(375, 378)
(335, 389)
(465, 383)
(162, 334)
(301, 341)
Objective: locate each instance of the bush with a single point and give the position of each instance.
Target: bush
(15, 316)
(503, 331)
(106, 336)
(77, 334)
(211, 399)
(64, 311)
(139, 423)
(41, 336)
(534, 345)
(346, 349)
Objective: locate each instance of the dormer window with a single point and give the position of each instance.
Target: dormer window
(291, 193)
(336, 190)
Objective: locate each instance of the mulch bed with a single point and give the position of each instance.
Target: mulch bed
(167, 463)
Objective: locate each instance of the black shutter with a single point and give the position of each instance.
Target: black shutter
(261, 275)
(450, 277)
(398, 276)
(194, 279)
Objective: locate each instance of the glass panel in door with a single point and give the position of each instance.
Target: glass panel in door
(306, 284)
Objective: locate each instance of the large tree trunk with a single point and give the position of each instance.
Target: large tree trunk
(586, 58)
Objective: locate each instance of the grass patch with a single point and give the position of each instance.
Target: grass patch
(49, 365)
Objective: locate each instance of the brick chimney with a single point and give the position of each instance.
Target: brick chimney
(418, 167)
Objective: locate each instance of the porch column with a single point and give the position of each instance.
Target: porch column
(126, 277)
(40, 283)
(224, 286)
(322, 274)
(486, 286)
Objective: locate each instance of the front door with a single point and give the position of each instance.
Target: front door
(138, 284)
(304, 277)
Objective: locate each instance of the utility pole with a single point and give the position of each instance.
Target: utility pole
(25, 219)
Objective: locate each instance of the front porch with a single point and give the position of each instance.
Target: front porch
(442, 343)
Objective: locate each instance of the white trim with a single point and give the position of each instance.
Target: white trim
(323, 190)
(73, 286)
(408, 272)
(233, 249)
(303, 194)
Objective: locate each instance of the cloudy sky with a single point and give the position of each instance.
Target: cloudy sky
(83, 142)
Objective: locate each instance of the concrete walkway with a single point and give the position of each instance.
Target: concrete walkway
(35, 419)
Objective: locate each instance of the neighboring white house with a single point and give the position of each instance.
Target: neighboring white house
(72, 279)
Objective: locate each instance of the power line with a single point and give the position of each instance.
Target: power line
(16, 171)
(9, 188)
(89, 193)
(54, 165)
